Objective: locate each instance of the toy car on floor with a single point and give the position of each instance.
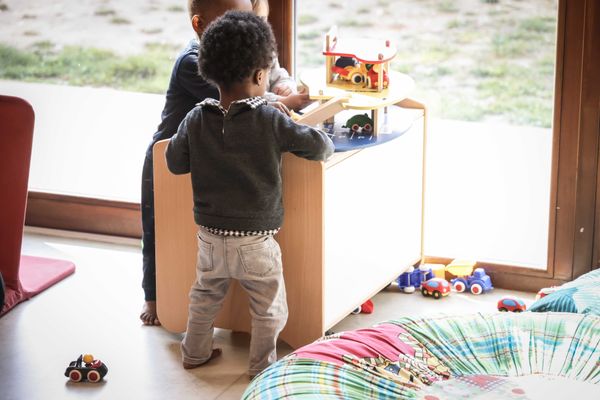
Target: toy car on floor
(85, 368)
(545, 292)
(413, 278)
(436, 287)
(511, 303)
(477, 283)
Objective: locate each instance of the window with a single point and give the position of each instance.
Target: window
(486, 70)
(95, 74)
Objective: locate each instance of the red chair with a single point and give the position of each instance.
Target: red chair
(24, 276)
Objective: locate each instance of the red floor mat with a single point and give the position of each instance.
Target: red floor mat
(35, 275)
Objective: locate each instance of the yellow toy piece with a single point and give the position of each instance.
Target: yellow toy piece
(439, 270)
(461, 267)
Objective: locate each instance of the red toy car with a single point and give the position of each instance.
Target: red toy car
(436, 287)
(511, 303)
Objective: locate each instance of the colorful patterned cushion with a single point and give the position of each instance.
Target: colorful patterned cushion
(430, 358)
(579, 296)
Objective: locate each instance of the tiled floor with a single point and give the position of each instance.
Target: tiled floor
(95, 311)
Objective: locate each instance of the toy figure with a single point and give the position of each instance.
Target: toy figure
(86, 368)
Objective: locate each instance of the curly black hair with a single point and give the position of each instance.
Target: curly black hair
(234, 46)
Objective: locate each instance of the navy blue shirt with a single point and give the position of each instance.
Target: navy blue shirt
(186, 89)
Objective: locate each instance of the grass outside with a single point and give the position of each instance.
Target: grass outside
(78, 66)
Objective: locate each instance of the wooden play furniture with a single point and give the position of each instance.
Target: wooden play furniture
(351, 226)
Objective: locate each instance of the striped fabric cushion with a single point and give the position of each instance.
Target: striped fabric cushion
(467, 349)
(579, 296)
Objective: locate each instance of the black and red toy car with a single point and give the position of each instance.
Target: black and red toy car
(86, 368)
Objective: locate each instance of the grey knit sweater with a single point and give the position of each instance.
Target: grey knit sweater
(234, 157)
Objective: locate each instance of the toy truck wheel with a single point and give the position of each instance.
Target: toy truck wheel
(424, 292)
(476, 288)
(409, 289)
(502, 309)
(93, 376)
(459, 286)
(357, 310)
(518, 310)
(75, 375)
(437, 295)
(356, 78)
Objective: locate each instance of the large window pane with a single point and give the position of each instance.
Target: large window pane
(95, 72)
(485, 69)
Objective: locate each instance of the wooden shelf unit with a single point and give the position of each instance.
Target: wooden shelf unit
(352, 225)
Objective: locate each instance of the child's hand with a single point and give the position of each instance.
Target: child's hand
(296, 101)
(280, 106)
(282, 90)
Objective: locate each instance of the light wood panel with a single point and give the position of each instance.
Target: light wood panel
(300, 238)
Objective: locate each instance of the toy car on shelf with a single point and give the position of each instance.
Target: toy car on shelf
(362, 65)
(511, 303)
(436, 287)
(477, 283)
(86, 368)
(359, 73)
(360, 122)
(413, 278)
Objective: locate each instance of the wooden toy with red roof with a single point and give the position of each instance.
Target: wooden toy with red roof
(357, 72)
(357, 65)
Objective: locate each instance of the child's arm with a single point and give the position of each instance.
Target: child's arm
(280, 81)
(301, 140)
(178, 150)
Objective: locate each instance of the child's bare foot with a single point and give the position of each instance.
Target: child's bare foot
(148, 315)
(215, 353)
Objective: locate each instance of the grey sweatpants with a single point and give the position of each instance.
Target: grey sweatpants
(255, 261)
